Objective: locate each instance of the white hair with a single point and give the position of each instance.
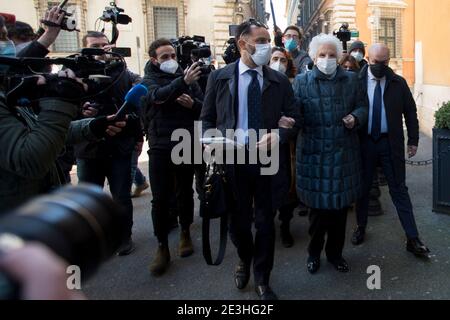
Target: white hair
(322, 39)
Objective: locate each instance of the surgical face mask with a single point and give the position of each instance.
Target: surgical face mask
(262, 54)
(278, 66)
(169, 66)
(291, 45)
(7, 49)
(357, 55)
(379, 70)
(327, 65)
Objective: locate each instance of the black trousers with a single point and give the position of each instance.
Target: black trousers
(163, 175)
(372, 152)
(329, 223)
(254, 199)
(118, 172)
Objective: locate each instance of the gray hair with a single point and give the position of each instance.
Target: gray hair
(322, 39)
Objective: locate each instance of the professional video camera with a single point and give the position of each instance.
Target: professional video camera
(344, 35)
(18, 79)
(82, 224)
(115, 16)
(193, 49)
(231, 50)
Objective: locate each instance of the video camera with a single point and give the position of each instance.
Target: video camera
(69, 23)
(344, 35)
(17, 79)
(115, 16)
(82, 224)
(193, 49)
(231, 51)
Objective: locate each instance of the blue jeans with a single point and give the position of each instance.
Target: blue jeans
(136, 175)
(118, 172)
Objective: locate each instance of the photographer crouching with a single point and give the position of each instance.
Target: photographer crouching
(110, 158)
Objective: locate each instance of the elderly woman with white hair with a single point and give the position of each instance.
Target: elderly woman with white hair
(328, 155)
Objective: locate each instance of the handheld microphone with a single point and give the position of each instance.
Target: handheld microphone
(132, 99)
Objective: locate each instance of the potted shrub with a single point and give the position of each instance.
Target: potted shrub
(441, 160)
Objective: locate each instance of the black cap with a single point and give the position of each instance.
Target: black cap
(358, 45)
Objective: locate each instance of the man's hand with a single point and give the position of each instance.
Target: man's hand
(39, 272)
(286, 122)
(192, 74)
(53, 15)
(89, 111)
(412, 151)
(349, 121)
(102, 126)
(268, 141)
(186, 101)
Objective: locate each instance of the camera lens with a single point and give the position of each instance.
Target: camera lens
(81, 224)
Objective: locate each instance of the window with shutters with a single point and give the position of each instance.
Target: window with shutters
(165, 22)
(387, 34)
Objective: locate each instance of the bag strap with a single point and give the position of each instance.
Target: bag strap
(223, 240)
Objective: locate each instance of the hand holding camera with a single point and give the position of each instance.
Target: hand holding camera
(192, 74)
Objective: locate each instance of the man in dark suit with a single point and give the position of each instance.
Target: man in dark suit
(249, 95)
(390, 99)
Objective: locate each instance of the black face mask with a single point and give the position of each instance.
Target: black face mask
(379, 70)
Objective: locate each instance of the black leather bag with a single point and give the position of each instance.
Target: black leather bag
(217, 204)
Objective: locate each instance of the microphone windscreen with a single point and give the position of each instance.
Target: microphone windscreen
(135, 94)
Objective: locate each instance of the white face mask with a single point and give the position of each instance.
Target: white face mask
(327, 65)
(357, 55)
(262, 54)
(170, 66)
(278, 66)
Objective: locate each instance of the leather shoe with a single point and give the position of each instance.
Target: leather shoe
(358, 236)
(340, 265)
(313, 265)
(265, 293)
(286, 237)
(416, 247)
(242, 275)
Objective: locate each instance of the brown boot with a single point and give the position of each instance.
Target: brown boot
(185, 249)
(161, 262)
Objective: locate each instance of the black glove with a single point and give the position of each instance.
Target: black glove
(99, 125)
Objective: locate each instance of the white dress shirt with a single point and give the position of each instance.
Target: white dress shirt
(245, 79)
(371, 85)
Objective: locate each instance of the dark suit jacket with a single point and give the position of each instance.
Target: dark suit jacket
(220, 110)
(399, 102)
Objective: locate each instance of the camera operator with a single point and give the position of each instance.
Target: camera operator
(39, 48)
(174, 102)
(111, 158)
(32, 138)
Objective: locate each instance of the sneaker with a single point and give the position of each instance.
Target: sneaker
(139, 189)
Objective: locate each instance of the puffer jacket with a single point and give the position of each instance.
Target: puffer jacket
(328, 154)
(162, 113)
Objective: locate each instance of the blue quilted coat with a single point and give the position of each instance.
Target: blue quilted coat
(328, 154)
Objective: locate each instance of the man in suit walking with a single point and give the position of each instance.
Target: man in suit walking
(390, 99)
(249, 95)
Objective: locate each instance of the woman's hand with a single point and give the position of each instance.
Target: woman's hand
(286, 122)
(349, 121)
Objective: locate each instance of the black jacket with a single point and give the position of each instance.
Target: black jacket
(123, 143)
(220, 111)
(162, 114)
(399, 102)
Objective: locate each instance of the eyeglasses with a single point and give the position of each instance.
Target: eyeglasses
(251, 23)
